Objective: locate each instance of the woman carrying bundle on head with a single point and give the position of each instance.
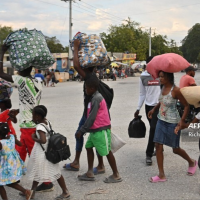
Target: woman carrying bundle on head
(168, 119)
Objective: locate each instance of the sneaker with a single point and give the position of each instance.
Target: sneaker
(45, 187)
(148, 160)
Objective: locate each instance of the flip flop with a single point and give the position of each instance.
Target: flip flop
(70, 168)
(192, 170)
(110, 179)
(95, 171)
(84, 177)
(156, 179)
(61, 197)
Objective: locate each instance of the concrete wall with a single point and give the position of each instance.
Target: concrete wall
(62, 76)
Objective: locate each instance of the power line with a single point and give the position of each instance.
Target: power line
(96, 14)
(101, 10)
(166, 9)
(51, 3)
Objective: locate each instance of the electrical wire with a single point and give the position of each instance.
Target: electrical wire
(166, 9)
(51, 3)
(101, 10)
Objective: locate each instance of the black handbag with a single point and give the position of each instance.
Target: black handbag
(137, 128)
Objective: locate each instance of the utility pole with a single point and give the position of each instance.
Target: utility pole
(149, 41)
(70, 31)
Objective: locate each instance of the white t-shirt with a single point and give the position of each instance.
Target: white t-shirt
(29, 96)
(39, 79)
(149, 90)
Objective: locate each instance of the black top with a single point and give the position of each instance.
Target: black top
(87, 98)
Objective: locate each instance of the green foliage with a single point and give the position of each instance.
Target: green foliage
(130, 37)
(191, 44)
(55, 46)
(4, 32)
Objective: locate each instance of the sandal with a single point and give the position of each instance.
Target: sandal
(96, 171)
(111, 179)
(70, 168)
(62, 197)
(192, 170)
(84, 177)
(156, 179)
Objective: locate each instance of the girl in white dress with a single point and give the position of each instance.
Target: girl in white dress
(39, 169)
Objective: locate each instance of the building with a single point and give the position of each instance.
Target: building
(125, 58)
(61, 61)
(129, 58)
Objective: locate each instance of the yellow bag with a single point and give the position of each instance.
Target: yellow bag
(192, 95)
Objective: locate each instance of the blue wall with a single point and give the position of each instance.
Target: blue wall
(59, 65)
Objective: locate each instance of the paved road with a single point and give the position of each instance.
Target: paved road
(65, 106)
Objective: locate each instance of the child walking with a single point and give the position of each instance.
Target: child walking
(12, 167)
(98, 124)
(39, 169)
(30, 91)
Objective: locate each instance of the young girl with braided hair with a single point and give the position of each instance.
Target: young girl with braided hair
(39, 169)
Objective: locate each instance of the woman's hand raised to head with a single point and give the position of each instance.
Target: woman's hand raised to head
(4, 48)
(77, 43)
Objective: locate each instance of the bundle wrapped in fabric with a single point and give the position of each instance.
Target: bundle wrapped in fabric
(92, 51)
(168, 62)
(5, 90)
(192, 95)
(28, 48)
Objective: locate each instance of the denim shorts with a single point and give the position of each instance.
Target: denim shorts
(164, 134)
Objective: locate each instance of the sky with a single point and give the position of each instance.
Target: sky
(166, 17)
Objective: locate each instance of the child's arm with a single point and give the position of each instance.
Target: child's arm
(42, 139)
(12, 115)
(77, 66)
(90, 120)
(17, 142)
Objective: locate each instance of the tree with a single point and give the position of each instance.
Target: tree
(130, 37)
(55, 46)
(191, 44)
(4, 32)
(126, 37)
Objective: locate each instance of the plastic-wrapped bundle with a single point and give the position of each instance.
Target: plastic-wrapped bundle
(28, 48)
(5, 90)
(92, 51)
(137, 128)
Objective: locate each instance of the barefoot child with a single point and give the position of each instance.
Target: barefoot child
(98, 124)
(12, 167)
(39, 168)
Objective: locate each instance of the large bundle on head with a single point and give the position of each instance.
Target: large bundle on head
(192, 95)
(28, 48)
(5, 90)
(92, 51)
(169, 62)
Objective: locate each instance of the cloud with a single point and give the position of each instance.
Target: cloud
(51, 17)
